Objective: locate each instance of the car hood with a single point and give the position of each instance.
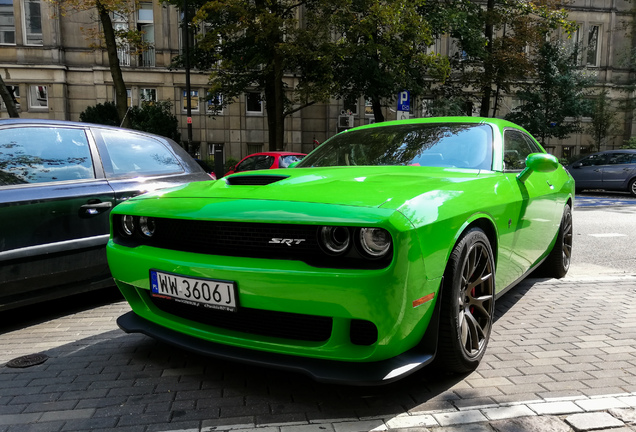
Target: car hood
(387, 187)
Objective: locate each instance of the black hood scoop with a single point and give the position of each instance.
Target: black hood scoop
(254, 180)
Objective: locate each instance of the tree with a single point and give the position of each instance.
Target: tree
(155, 117)
(552, 104)
(603, 120)
(380, 50)
(495, 44)
(105, 114)
(8, 100)
(248, 45)
(109, 38)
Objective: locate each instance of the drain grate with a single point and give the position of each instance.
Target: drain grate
(27, 360)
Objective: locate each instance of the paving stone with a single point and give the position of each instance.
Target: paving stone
(593, 421)
(360, 426)
(507, 412)
(600, 404)
(626, 415)
(531, 424)
(555, 408)
(407, 421)
(461, 417)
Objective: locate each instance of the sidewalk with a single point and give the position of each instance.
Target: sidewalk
(562, 357)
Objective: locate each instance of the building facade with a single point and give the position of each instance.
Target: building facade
(47, 62)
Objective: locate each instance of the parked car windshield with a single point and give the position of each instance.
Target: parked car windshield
(434, 145)
(287, 160)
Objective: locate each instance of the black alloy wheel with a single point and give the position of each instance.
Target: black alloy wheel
(468, 303)
(557, 263)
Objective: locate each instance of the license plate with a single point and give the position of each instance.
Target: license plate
(209, 293)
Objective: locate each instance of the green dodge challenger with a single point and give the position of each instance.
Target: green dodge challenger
(382, 251)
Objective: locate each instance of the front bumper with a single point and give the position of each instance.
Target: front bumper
(327, 371)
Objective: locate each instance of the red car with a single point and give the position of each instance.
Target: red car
(266, 160)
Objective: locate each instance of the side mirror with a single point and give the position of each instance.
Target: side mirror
(293, 164)
(577, 165)
(539, 162)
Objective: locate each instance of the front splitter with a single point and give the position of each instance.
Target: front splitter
(327, 371)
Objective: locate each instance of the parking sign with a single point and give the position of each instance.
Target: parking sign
(404, 101)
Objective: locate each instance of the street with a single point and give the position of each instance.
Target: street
(562, 356)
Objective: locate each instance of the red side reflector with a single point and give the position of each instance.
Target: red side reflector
(423, 300)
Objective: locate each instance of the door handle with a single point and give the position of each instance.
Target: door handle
(96, 207)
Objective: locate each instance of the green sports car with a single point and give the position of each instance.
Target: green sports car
(380, 252)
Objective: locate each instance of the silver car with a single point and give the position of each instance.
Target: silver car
(608, 170)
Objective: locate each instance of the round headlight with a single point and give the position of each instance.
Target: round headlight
(147, 226)
(335, 240)
(128, 225)
(375, 242)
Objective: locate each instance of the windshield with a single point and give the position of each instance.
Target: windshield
(424, 144)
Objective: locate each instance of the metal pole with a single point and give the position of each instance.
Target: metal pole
(186, 49)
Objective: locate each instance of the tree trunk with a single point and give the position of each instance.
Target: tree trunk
(12, 110)
(377, 109)
(275, 105)
(486, 90)
(121, 97)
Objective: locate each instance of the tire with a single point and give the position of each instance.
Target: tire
(467, 304)
(632, 187)
(557, 263)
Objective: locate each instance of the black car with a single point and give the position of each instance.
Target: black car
(613, 170)
(58, 182)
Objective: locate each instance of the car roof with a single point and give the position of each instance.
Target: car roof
(47, 122)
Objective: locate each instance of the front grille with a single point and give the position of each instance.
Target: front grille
(283, 325)
(231, 238)
(253, 240)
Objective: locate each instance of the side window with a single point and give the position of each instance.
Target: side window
(131, 154)
(286, 161)
(595, 159)
(517, 147)
(256, 163)
(620, 158)
(44, 154)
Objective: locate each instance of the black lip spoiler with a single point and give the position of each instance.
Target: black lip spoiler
(327, 371)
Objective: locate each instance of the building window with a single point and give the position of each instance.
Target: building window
(7, 22)
(194, 100)
(593, 39)
(120, 25)
(32, 22)
(351, 108)
(254, 103)
(368, 107)
(566, 152)
(14, 92)
(147, 95)
(146, 26)
(38, 97)
(215, 104)
(254, 148)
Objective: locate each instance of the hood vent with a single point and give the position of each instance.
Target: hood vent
(254, 180)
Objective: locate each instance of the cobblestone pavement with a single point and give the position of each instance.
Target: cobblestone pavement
(562, 357)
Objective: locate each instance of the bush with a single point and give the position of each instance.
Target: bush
(105, 114)
(156, 118)
(229, 164)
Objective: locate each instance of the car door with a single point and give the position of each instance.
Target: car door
(588, 172)
(54, 206)
(534, 217)
(620, 167)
